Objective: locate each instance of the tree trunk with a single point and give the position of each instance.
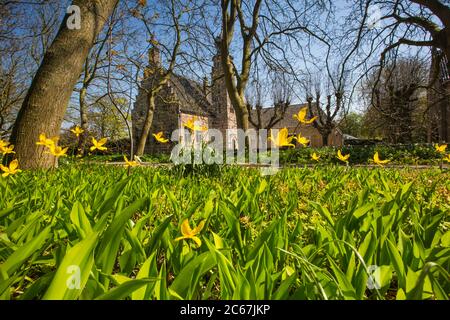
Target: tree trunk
(241, 117)
(325, 135)
(147, 126)
(84, 122)
(46, 102)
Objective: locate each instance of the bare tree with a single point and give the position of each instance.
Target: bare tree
(46, 102)
(24, 37)
(281, 89)
(415, 23)
(263, 27)
(399, 99)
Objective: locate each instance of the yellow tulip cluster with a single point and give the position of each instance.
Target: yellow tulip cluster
(13, 168)
(6, 148)
(282, 139)
(52, 145)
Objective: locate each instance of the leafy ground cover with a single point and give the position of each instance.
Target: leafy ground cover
(420, 154)
(95, 232)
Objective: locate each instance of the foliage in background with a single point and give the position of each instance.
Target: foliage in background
(412, 154)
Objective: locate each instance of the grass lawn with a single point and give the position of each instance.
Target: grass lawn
(325, 233)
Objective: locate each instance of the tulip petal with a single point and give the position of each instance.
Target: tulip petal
(197, 241)
(186, 229)
(13, 165)
(199, 228)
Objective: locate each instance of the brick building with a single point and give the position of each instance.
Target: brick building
(182, 99)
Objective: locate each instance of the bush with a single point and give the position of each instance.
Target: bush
(413, 154)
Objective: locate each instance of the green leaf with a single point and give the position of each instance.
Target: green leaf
(80, 220)
(344, 285)
(109, 245)
(182, 282)
(157, 235)
(323, 212)
(125, 289)
(397, 263)
(73, 273)
(148, 270)
(22, 254)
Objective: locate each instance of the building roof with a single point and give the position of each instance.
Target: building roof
(191, 96)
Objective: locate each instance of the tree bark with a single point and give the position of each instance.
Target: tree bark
(147, 125)
(46, 102)
(325, 135)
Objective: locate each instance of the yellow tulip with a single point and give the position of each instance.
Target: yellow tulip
(77, 131)
(282, 139)
(129, 163)
(159, 137)
(190, 124)
(98, 145)
(58, 151)
(5, 149)
(302, 140)
(189, 233)
(301, 116)
(3, 144)
(47, 142)
(342, 157)
(315, 157)
(440, 148)
(376, 159)
(447, 158)
(12, 169)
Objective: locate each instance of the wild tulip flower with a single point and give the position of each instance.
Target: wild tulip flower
(129, 163)
(189, 233)
(58, 151)
(3, 144)
(98, 145)
(447, 158)
(342, 157)
(12, 169)
(301, 116)
(190, 124)
(159, 137)
(47, 142)
(302, 140)
(315, 157)
(376, 159)
(440, 148)
(77, 131)
(7, 149)
(282, 139)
